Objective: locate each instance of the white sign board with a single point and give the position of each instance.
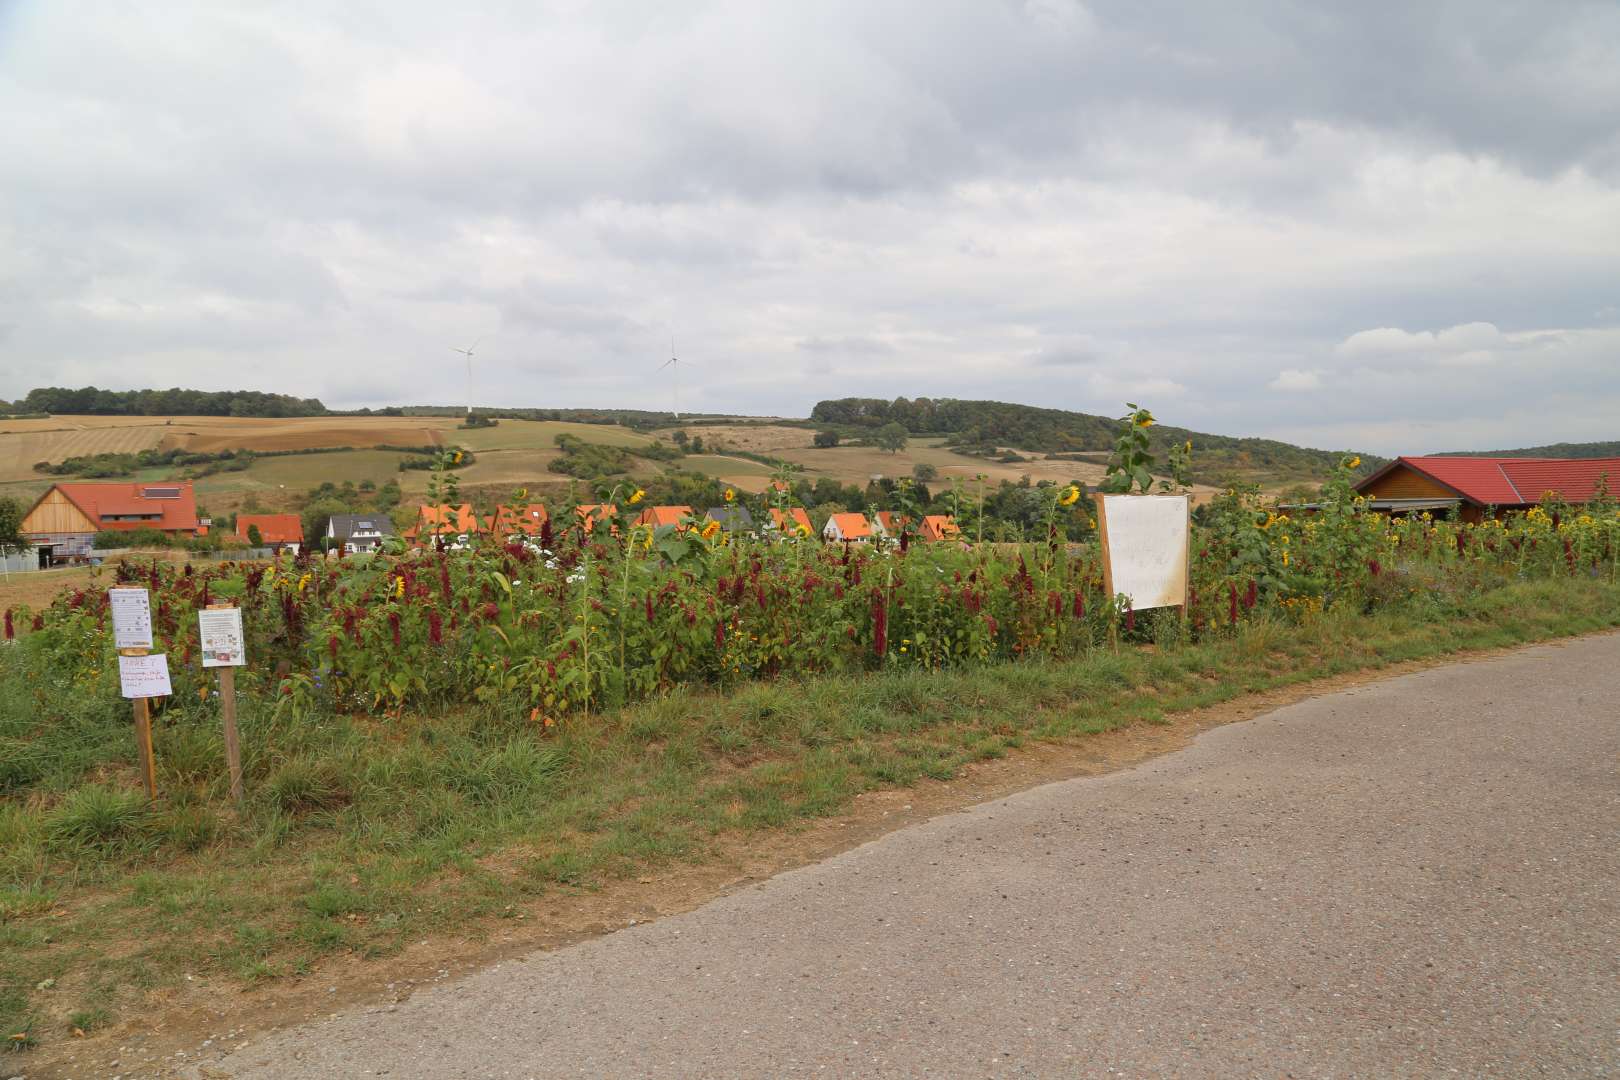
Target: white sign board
(221, 633)
(1144, 542)
(131, 618)
(144, 676)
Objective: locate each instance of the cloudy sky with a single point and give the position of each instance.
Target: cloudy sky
(1393, 226)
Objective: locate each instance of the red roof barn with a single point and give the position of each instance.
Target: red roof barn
(1476, 483)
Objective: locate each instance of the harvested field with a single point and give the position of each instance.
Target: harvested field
(24, 442)
(754, 438)
(542, 435)
(310, 433)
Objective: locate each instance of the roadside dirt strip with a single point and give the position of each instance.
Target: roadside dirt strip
(1416, 877)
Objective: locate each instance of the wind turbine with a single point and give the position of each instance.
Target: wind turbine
(674, 364)
(468, 353)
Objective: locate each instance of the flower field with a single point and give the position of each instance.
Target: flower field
(569, 622)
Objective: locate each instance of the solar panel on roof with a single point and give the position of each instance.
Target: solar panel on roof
(161, 492)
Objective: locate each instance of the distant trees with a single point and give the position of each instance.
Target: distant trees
(255, 538)
(826, 440)
(891, 437)
(90, 401)
(923, 472)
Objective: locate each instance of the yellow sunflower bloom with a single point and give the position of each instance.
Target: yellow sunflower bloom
(731, 496)
(636, 496)
(709, 530)
(1070, 496)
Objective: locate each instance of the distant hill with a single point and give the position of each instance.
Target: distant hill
(1560, 450)
(983, 426)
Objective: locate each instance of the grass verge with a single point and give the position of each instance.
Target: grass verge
(362, 833)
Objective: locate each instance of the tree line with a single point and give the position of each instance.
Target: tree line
(90, 401)
(984, 426)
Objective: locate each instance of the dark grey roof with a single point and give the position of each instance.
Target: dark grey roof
(731, 518)
(346, 525)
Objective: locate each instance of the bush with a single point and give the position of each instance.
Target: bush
(111, 539)
(826, 440)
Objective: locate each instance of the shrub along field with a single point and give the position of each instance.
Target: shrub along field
(587, 706)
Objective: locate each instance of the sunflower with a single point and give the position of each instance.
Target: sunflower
(636, 496)
(1355, 462)
(1070, 496)
(709, 530)
(731, 496)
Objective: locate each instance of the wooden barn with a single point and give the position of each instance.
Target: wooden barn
(63, 524)
(1480, 487)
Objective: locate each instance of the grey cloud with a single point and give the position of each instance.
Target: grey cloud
(1045, 200)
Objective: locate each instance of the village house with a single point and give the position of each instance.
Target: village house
(506, 520)
(847, 527)
(590, 514)
(278, 532)
(793, 521)
(63, 523)
(733, 517)
(1480, 487)
(937, 527)
(889, 524)
(357, 532)
(658, 516)
(455, 523)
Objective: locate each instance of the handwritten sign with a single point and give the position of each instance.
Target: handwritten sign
(221, 632)
(144, 676)
(131, 618)
(1145, 548)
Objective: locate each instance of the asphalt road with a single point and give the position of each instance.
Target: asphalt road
(1418, 877)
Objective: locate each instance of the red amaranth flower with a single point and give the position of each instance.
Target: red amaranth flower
(1251, 596)
(435, 628)
(1569, 554)
(1232, 604)
(489, 611)
(444, 577)
(1374, 568)
(38, 623)
(332, 643)
(11, 631)
(720, 634)
(1130, 618)
(1079, 604)
(649, 605)
(990, 621)
(393, 626)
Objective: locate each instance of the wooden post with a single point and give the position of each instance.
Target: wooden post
(227, 709)
(143, 735)
(233, 749)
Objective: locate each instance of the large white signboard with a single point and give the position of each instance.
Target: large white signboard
(131, 618)
(1145, 548)
(221, 633)
(144, 676)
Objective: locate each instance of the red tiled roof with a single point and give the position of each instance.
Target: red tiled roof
(664, 515)
(99, 501)
(445, 518)
(940, 527)
(273, 528)
(1510, 481)
(794, 517)
(524, 519)
(1574, 478)
(852, 526)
